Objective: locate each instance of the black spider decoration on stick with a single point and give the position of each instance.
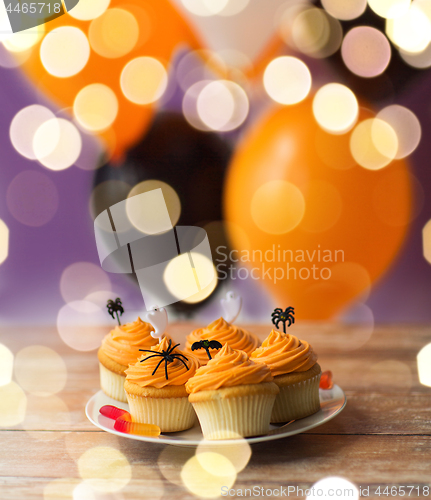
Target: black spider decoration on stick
(167, 356)
(207, 345)
(115, 308)
(280, 316)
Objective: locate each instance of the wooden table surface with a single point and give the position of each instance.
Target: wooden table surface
(383, 436)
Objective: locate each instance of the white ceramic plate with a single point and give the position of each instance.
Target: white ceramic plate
(331, 403)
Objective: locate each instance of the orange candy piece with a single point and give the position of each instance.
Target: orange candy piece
(124, 424)
(326, 381)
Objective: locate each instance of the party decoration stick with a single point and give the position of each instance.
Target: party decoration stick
(231, 306)
(115, 308)
(280, 316)
(158, 318)
(167, 356)
(207, 345)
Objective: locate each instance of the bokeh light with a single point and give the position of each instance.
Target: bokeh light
(190, 105)
(358, 326)
(374, 144)
(205, 8)
(406, 125)
(329, 487)
(324, 208)
(366, 51)
(335, 108)
(277, 207)
(24, 125)
(197, 66)
(13, 404)
(24, 40)
(426, 241)
(6, 365)
(287, 80)
(171, 197)
(60, 489)
(114, 34)
(205, 473)
(424, 365)
(316, 34)
(418, 60)
(345, 11)
(32, 198)
(48, 413)
(96, 107)
(80, 325)
(234, 7)
(389, 9)
(4, 241)
(81, 279)
(12, 59)
(40, 371)
(86, 10)
(85, 491)
(64, 51)
(238, 453)
(171, 461)
(177, 277)
(57, 144)
(222, 105)
(144, 80)
(412, 31)
(105, 469)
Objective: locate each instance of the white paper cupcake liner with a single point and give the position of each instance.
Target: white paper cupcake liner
(170, 414)
(297, 400)
(226, 418)
(112, 384)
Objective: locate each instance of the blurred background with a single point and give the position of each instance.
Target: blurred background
(297, 134)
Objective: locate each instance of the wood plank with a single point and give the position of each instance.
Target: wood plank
(300, 460)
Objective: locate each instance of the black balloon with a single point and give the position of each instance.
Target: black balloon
(192, 162)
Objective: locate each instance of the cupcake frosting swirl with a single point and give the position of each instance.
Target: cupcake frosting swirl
(224, 332)
(229, 368)
(284, 353)
(141, 373)
(122, 344)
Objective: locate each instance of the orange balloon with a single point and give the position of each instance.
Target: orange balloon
(315, 228)
(161, 30)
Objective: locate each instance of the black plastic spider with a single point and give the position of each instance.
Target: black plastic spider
(283, 316)
(167, 357)
(207, 345)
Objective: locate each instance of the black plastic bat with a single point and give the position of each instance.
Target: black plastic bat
(207, 345)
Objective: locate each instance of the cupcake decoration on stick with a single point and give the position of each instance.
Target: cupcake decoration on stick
(231, 306)
(158, 318)
(167, 355)
(207, 345)
(280, 316)
(115, 307)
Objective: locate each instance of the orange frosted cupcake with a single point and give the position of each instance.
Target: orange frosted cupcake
(120, 348)
(293, 364)
(155, 387)
(232, 395)
(223, 332)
